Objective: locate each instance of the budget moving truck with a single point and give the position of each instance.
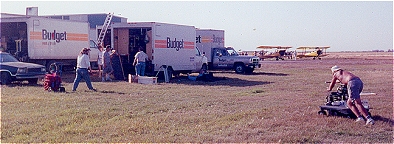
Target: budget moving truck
(211, 42)
(167, 45)
(45, 41)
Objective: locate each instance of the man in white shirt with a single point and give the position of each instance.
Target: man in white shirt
(83, 65)
(140, 62)
(100, 59)
(204, 62)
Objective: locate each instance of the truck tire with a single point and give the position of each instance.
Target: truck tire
(239, 68)
(5, 78)
(48, 65)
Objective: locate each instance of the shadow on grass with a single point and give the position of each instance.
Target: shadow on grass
(268, 74)
(255, 73)
(224, 81)
(20, 84)
(383, 119)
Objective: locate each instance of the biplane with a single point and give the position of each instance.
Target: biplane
(315, 52)
(278, 53)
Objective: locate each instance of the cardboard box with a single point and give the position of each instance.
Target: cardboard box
(147, 80)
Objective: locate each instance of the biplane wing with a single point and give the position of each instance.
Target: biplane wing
(313, 47)
(273, 47)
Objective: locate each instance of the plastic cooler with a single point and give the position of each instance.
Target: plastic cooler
(147, 80)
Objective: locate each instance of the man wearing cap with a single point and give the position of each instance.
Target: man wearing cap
(355, 86)
(107, 65)
(83, 65)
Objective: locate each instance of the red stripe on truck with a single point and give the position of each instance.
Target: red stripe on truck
(163, 44)
(70, 36)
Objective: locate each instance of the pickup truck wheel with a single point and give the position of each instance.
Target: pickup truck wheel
(239, 68)
(5, 78)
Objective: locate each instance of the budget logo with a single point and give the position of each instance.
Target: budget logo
(54, 35)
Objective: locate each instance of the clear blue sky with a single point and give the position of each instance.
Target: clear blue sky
(345, 26)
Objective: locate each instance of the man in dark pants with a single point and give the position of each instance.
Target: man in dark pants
(83, 65)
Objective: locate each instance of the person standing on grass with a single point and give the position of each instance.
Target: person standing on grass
(204, 62)
(100, 60)
(139, 62)
(83, 65)
(355, 86)
(107, 65)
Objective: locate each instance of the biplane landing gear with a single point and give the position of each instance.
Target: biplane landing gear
(319, 58)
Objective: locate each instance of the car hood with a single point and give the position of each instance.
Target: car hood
(22, 64)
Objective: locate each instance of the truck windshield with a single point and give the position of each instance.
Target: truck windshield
(93, 44)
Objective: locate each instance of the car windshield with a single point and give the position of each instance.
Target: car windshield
(5, 57)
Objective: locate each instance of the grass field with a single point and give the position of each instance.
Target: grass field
(278, 103)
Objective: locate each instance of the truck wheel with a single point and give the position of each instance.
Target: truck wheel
(48, 65)
(5, 78)
(239, 68)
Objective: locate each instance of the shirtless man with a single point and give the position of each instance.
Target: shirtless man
(355, 86)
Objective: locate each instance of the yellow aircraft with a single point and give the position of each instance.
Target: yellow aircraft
(280, 52)
(317, 52)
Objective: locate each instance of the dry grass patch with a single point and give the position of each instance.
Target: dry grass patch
(278, 103)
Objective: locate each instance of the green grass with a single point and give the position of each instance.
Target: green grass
(278, 103)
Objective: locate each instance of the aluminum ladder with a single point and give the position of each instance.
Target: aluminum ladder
(104, 29)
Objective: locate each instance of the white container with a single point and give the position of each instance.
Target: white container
(133, 78)
(147, 80)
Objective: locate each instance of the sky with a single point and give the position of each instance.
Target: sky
(342, 25)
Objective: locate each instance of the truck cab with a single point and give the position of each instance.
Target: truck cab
(228, 58)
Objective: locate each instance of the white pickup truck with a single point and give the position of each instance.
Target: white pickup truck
(211, 42)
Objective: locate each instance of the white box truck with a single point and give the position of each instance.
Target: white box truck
(168, 45)
(211, 42)
(45, 41)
